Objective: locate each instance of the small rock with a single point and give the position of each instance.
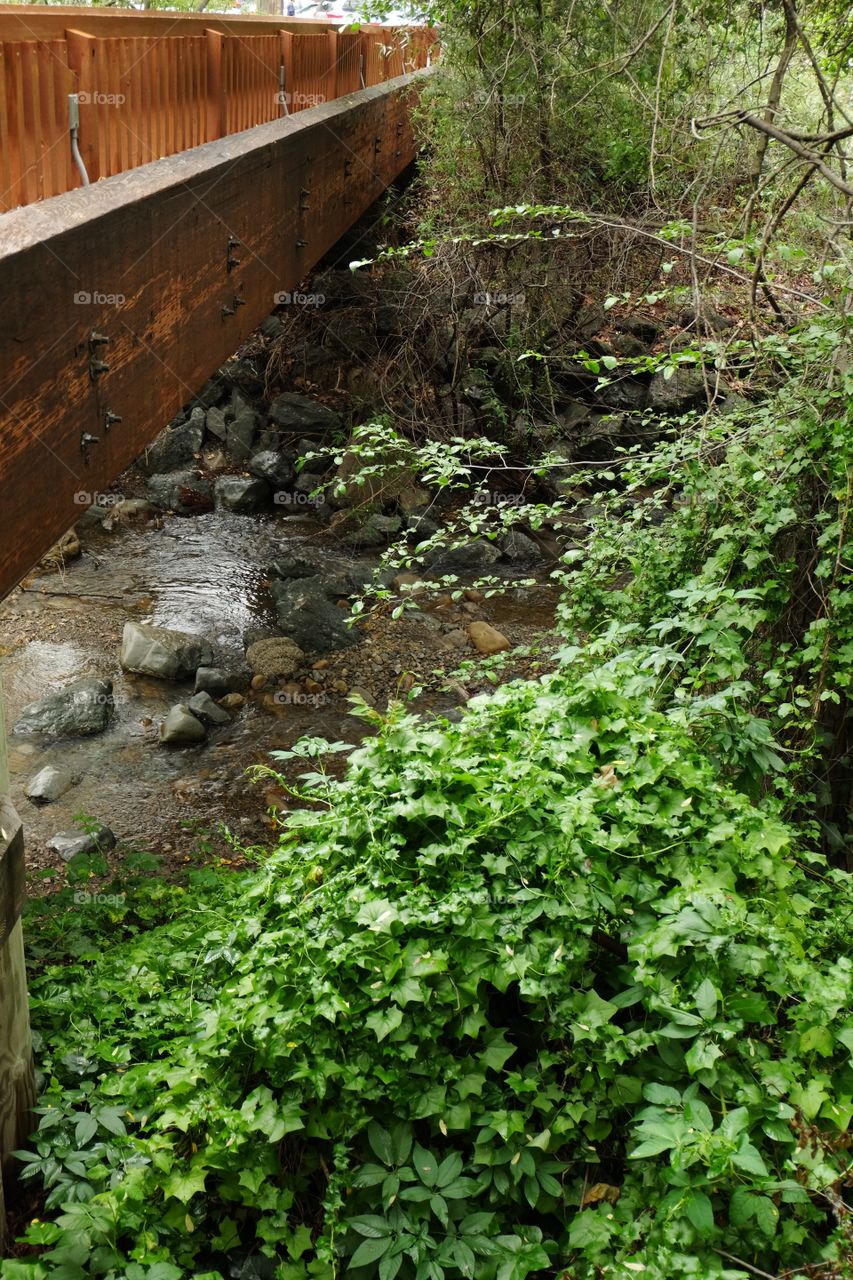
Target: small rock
(291, 566)
(67, 844)
(313, 686)
(232, 701)
(242, 495)
(205, 709)
(275, 656)
(456, 639)
(181, 726)
(48, 785)
(487, 640)
(275, 468)
(211, 680)
(79, 710)
(259, 682)
(156, 651)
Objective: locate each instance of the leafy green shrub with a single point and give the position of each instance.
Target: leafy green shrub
(535, 992)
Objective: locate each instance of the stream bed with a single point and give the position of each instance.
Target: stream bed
(208, 575)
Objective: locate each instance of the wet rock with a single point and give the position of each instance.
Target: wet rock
(518, 548)
(467, 558)
(272, 328)
(485, 639)
(181, 726)
(241, 495)
(169, 655)
(291, 566)
(307, 616)
(684, 389)
(211, 680)
(275, 656)
(181, 491)
(241, 433)
(216, 423)
(275, 468)
(49, 784)
(130, 511)
(206, 710)
(67, 844)
(175, 447)
(79, 710)
(294, 412)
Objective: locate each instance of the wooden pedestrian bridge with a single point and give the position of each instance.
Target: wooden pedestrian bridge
(162, 178)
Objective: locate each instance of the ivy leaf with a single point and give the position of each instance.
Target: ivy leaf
(383, 1021)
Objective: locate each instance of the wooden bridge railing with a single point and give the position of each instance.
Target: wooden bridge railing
(146, 96)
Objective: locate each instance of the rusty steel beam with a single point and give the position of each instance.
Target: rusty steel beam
(123, 298)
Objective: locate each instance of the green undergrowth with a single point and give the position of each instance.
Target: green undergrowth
(563, 989)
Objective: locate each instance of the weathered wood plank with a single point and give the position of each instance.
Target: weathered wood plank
(149, 250)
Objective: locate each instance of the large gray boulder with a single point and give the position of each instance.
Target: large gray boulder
(181, 491)
(79, 710)
(308, 617)
(181, 727)
(241, 494)
(169, 655)
(294, 412)
(175, 447)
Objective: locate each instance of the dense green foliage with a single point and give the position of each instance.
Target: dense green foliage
(552, 990)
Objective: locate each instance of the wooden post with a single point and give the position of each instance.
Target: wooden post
(82, 58)
(17, 1090)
